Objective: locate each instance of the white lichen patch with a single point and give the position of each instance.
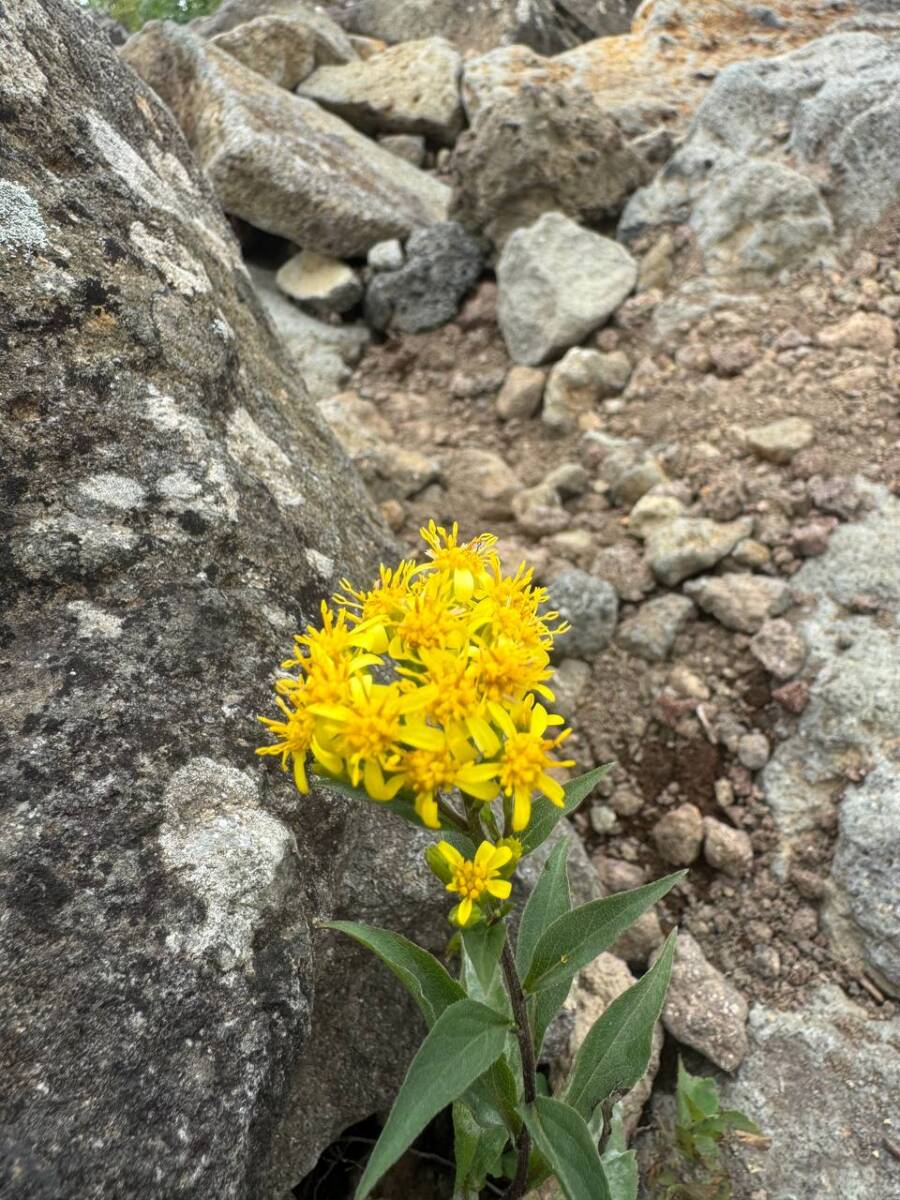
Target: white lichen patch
(21, 224)
(50, 544)
(132, 169)
(163, 412)
(179, 268)
(236, 858)
(258, 454)
(320, 563)
(93, 622)
(178, 486)
(114, 491)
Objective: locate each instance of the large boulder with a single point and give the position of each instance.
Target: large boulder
(173, 511)
(278, 160)
(544, 25)
(657, 74)
(410, 88)
(784, 155)
(543, 149)
(846, 739)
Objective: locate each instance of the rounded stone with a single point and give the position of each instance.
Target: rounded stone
(591, 607)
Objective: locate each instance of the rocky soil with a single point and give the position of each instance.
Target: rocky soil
(628, 296)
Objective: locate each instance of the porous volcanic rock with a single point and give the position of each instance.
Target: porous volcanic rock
(174, 510)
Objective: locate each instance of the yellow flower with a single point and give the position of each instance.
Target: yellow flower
(382, 605)
(328, 643)
(471, 879)
(428, 772)
(359, 735)
(428, 620)
(295, 738)
(508, 670)
(526, 758)
(466, 564)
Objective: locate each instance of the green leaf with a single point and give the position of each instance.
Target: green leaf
(497, 1091)
(544, 815)
(735, 1119)
(545, 1005)
(465, 1039)
(619, 1163)
(477, 1148)
(577, 937)
(401, 806)
(483, 945)
(432, 988)
(696, 1097)
(563, 1138)
(616, 1051)
(549, 900)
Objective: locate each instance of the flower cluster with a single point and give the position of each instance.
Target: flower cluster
(430, 683)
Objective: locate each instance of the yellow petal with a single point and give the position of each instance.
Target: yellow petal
(502, 718)
(450, 854)
(521, 811)
(553, 790)
(421, 736)
(427, 809)
(485, 791)
(500, 888)
(538, 720)
(333, 763)
(300, 774)
(500, 857)
(463, 584)
(483, 854)
(483, 736)
(465, 911)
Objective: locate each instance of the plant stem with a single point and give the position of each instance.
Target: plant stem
(526, 1050)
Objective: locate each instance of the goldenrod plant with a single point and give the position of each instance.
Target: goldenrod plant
(428, 695)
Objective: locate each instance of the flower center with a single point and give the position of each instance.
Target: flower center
(470, 880)
(430, 772)
(524, 761)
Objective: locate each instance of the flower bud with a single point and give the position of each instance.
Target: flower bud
(513, 844)
(438, 864)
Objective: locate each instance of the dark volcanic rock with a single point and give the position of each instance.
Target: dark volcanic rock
(172, 510)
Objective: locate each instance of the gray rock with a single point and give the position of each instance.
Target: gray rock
(753, 750)
(325, 354)
(267, 152)
(539, 511)
(409, 146)
(482, 479)
(537, 150)
(741, 602)
(521, 393)
(821, 1081)
(321, 283)
(781, 440)
(652, 512)
(409, 88)
(386, 256)
(780, 648)
(651, 632)
(688, 545)
(829, 109)
(285, 47)
(590, 605)
(635, 480)
(703, 1010)
(332, 45)
(623, 566)
(541, 24)
(678, 835)
(862, 913)
(558, 283)
(180, 517)
(847, 735)
(442, 264)
(575, 385)
(726, 848)
(603, 17)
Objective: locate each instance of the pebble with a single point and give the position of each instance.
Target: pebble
(837, 495)
(386, 256)
(635, 482)
(781, 440)
(408, 146)
(652, 511)
(703, 1010)
(873, 332)
(811, 540)
(689, 545)
(750, 554)
(650, 634)
(726, 848)
(574, 387)
(538, 511)
(793, 696)
(678, 835)
(733, 358)
(520, 395)
(482, 477)
(569, 479)
(323, 284)
(753, 751)
(740, 602)
(591, 607)
(623, 566)
(780, 648)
